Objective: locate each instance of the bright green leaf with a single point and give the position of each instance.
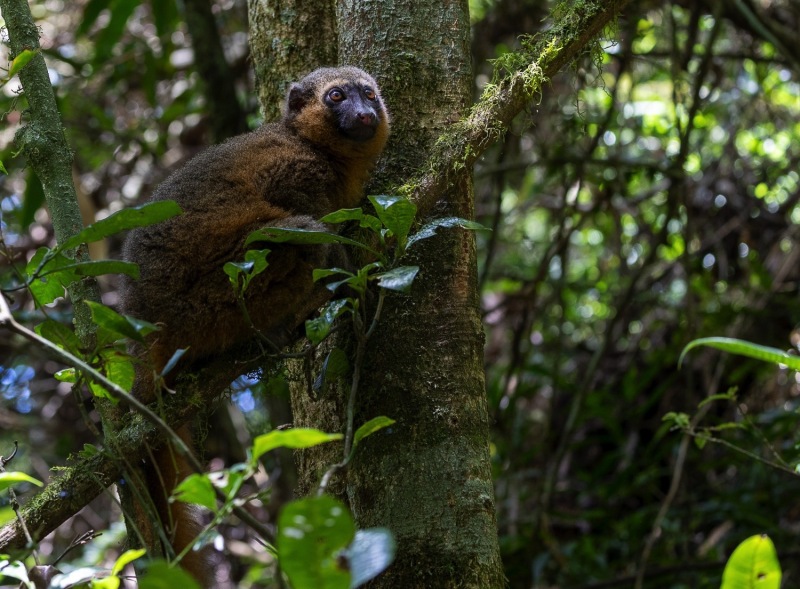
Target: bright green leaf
(744, 348)
(369, 428)
(753, 565)
(20, 61)
(59, 334)
(300, 437)
(130, 327)
(126, 558)
(197, 488)
(11, 478)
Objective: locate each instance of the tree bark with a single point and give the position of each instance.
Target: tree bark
(288, 39)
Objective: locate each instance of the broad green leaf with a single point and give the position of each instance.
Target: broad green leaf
(753, 565)
(161, 575)
(255, 262)
(130, 327)
(300, 437)
(371, 553)
(301, 237)
(66, 375)
(147, 214)
(312, 533)
(126, 558)
(11, 478)
(317, 329)
(399, 279)
(197, 488)
(48, 288)
(744, 348)
(118, 368)
(397, 213)
(373, 425)
(429, 229)
(20, 61)
(59, 334)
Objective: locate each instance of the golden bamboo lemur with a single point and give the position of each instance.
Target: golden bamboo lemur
(313, 161)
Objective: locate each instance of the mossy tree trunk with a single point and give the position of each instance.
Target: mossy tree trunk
(428, 477)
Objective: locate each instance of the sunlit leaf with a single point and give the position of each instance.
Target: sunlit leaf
(20, 61)
(126, 558)
(300, 437)
(753, 565)
(744, 348)
(11, 478)
(369, 428)
(197, 488)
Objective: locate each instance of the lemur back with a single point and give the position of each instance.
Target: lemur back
(290, 173)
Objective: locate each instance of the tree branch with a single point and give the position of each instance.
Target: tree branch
(517, 82)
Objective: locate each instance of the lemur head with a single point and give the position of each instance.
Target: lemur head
(339, 109)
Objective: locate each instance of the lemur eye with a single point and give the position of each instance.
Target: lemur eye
(369, 93)
(336, 95)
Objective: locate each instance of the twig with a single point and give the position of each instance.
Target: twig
(15, 503)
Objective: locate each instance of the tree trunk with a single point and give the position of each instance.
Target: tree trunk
(427, 478)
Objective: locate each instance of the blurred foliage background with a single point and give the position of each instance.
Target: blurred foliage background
(649, 197)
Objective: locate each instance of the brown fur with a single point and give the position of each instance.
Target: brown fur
(285, 174)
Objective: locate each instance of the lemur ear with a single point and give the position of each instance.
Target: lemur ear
(295, 99)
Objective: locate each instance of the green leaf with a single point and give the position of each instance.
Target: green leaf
(118, 368)
(371, 553)
(744, 348)
(397, 213)
(300, 437)
(197, 488)
(59, 334)
(398, 279)
(11, 478)
(3, 168)
(161, 575)
(317, 329)
(165, 16)
(369, 428)
(130, 327)
(753, 565)
(20, 61)
(302, 237)
(147, 214)
(97, 268)
(126, 558)
(430, 228)
(312, 533)
(48, 288)
(343, 215)
(112, 582)
(255, 262)
(66, 375)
